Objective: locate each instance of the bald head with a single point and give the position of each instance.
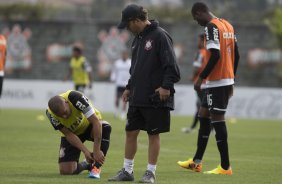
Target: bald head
(56, 104)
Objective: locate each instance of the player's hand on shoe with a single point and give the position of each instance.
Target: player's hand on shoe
(88, 156)
(125, 95)
(164, 93)
(99, 157)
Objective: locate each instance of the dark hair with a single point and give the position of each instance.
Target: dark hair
(55, 104)
(77, 49)
(144, 15)
(199, 7)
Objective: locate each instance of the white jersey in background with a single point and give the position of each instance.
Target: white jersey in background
(120, 72)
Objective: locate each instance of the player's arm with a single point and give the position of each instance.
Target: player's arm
(171, 72)
(80, 102)
(237, 57)
(71, 137)
(75, 141)
(214, 57)
(97, 136)
(168, 62)
(213, 45)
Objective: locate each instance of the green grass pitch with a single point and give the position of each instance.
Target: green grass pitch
(29, 151)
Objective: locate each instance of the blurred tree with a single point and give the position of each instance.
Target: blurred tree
(169, 14)
(23, 11)
(274, 21)
(107, 9)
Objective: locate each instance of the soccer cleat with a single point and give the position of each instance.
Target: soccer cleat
(148, 177)
(190, 164)
(122, 175)
(220, 170)
(95, 173)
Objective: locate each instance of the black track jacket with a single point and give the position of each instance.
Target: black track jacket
(153, 65)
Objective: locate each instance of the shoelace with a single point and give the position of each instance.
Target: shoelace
(147, 173)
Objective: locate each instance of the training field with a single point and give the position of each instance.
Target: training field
(29, 150)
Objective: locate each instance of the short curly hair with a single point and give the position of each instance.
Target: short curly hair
(55, 104)
(199, 7)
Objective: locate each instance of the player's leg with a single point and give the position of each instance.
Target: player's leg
(153, 154)
(105, 143)
(156, 121)
(153, 149)
(67, 168)
(203, 134)
(219, 101)
(204, 130)
(133, 127)
(68, 159)
(195, 164)
(126, 173)
(106, 136)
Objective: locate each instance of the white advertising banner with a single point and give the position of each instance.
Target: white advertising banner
(259, 103)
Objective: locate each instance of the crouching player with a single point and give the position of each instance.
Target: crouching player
(72, 114)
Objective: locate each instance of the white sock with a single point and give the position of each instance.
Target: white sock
(128, 165)
(152, 168)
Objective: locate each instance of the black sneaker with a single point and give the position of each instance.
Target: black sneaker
(122, 175)
(148, 177)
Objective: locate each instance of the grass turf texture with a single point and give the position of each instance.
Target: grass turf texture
(29, 151)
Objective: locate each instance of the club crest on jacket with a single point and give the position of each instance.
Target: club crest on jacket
(148, 44)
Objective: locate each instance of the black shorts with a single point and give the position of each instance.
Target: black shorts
(120, 91)
(216, 99)
(70, 153)
(80, 87)
(152, 120)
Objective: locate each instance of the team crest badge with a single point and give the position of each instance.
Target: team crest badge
(148, 44)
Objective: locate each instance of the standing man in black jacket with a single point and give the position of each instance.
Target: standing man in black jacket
(150, 89)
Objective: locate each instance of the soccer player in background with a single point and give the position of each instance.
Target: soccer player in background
(80, 70)
(150, 89)
(219, 74)
(3, 52)
(120, 75)
(199, 64)
(74, 116)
